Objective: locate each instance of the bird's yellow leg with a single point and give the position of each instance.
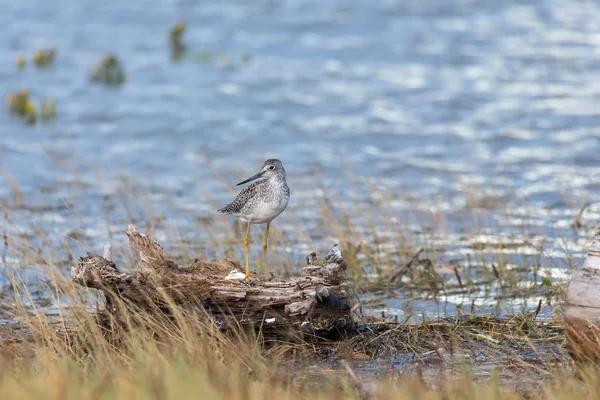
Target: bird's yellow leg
(246, 242)
(265, 249)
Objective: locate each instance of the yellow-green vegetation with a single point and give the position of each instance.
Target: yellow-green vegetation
(20, 62)
(22, 105)
(175, 38)
(222, 60)
(108, 71)
(203, 56)
(44, 57)
(48, 110)
(463, 357)
(70, 357)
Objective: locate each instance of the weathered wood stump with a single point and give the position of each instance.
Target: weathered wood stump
(313, 303)
(582, 313)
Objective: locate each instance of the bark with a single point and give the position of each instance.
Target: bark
(313, 303)
(582, 313)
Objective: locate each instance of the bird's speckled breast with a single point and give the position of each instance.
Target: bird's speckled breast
(276, 196)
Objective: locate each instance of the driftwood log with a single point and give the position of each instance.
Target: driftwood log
(314, 303)
(582, 312)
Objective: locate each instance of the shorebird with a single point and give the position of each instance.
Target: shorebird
(261, 203)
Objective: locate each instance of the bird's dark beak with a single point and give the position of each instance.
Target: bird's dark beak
(253, 177)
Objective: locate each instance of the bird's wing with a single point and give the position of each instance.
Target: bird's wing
(241, 199)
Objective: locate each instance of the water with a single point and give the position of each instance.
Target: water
(474, 116)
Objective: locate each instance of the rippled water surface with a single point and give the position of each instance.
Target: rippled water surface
(463, 124)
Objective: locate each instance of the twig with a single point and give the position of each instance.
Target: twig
(355, 380)
(537, 310)
(495, 271)
(458, 277)
(399, 272)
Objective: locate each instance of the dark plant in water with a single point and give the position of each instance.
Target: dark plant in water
(48, 110)
(44, 57)
(108, 71)
(20, 62)
(178, 50)
(175, 35)
(20, 104)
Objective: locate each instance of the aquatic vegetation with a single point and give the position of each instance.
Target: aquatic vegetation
(20, 62)
(179, 49)
(389, 357)
(203, 56)
(246, 59)
(222, 60)
(48, 110)
(19, 102)
(108, 71)
(381, 231)
(175, 39)
(22, 105)
(71, 356)
(44, 57)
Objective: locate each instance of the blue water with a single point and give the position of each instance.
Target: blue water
(472, 120)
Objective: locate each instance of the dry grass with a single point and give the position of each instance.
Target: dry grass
(42, 356)
(191, 359)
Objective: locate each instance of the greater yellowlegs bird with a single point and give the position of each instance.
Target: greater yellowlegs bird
(261, 203)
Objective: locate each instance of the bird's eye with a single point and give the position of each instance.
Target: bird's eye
(271, 167)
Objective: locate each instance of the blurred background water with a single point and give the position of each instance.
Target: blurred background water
(479, 117)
